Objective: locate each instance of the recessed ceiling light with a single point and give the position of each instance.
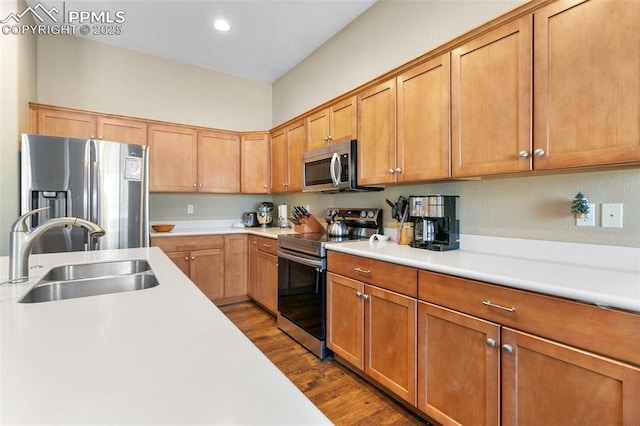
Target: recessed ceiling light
(221, 25)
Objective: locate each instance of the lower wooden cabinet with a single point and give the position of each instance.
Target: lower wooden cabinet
(458, 367)
(480, 372)
(263, 272)
(374, 330)
(217, 264)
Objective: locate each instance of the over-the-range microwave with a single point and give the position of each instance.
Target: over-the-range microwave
(332, 168)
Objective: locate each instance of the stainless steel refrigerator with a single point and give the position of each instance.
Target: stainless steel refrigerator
(101, 181)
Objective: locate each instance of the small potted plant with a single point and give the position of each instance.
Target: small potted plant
(580, 206)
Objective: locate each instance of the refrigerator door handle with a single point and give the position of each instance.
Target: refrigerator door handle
(94, 205)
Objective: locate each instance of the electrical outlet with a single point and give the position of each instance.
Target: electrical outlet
(590, 220)
(612, 215)
(189, 208)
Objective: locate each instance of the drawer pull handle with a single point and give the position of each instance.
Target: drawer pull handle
(362, 271)
(493, 305)
(266, 245)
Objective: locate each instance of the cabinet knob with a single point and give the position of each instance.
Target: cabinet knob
(264, 186)
(194, 185)
(507, 349)
(329, 138)
(491, 342)
(193, 258)
(200, 185)
(539, 152)
(523, 154)
(391, 171)
(186, 258)
(326, 139)
(358, 294)
(398, 170)
(365, 297)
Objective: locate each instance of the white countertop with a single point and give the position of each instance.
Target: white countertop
(164, 355)
(603, 275)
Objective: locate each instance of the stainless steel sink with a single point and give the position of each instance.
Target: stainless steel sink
(93, 270)
(91, 279)
(48, 291)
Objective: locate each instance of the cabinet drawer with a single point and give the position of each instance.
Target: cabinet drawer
(202, 242)
(605, 331)
(268, 245)
(398, 278)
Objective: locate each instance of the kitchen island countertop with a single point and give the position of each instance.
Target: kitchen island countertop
(163, 355)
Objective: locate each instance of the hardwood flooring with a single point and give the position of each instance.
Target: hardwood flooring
(344, 397)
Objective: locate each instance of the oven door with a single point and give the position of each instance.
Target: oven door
(302, 291)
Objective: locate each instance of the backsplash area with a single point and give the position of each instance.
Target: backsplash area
(167, 207)
(529, 207)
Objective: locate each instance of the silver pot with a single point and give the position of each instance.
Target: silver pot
(338, 227)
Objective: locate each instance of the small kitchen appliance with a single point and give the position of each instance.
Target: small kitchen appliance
(265, 213)
(302, 275)
(436, 223)
(250, 219)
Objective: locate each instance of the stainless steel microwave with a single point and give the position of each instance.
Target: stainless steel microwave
(332, 168)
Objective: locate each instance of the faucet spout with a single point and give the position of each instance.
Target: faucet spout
(23, 238)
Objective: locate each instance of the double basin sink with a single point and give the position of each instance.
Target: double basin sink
(91, 279)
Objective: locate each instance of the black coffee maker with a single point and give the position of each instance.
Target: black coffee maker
(436, 224)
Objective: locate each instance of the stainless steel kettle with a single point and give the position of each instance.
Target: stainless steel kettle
(338, 227)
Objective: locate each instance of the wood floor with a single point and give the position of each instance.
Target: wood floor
(344, 397)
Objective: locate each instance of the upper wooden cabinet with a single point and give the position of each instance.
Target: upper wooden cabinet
(377, 134)
(255, 160)
(491, 102)
(337, 123)
(287, 146)
(78, 124)
(218, 162)
(173, 159)
(587, 84)
(423, 108)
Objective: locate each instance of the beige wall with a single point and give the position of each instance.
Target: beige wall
(87, 74)
(393, 32)
(17, 87)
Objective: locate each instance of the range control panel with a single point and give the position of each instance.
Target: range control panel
(362, 217)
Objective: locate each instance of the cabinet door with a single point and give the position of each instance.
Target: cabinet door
(458, 367)
(207, 272)
(297, 140)
(490, 105)
(253, 278)
(390, 341)
(255, 157)
(343, 121)
(279, 161)
(181, 259)
(345, 319)
(267, 266)
(65, 123)
(377, 134)
(544, 382)
(218, 162)
(235, 265)
(173, 159)
(587, 90)
(121, 130)
(423, 121)
(318, 130)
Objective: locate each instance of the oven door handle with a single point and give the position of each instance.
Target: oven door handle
(298, 258)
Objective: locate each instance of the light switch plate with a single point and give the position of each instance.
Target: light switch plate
(612, 215)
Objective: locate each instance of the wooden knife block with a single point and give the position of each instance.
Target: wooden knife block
(309, 224)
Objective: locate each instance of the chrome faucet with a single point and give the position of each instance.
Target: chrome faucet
(23, 238)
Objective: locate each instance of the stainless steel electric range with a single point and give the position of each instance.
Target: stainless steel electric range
(302, 276)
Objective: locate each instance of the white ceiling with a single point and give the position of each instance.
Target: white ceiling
(267, 37)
